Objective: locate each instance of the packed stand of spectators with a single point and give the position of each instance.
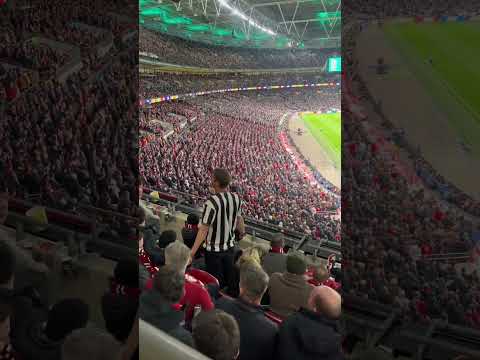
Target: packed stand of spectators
(14, 81)
(232, 132)
(386, 244)
(448, 191)
(406, 8)
(31, 329)
(176, 84)
(184, 52)
(284, 312)
(75, 150)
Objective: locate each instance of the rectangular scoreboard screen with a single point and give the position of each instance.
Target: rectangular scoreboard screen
(334, 64)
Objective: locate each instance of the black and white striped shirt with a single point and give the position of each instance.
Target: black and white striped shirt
(220, 213)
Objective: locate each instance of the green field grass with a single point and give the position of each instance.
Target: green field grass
(327, 130)
(453, 79)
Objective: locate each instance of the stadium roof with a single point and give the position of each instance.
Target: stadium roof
(247, 23)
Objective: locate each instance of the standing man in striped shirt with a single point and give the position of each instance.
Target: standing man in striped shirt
(221, 217)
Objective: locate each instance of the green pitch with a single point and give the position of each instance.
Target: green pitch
(453, 78)
(327, 130)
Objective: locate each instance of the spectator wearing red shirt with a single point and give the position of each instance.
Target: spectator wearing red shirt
(177, 255)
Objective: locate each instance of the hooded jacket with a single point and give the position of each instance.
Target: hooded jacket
(306, 335)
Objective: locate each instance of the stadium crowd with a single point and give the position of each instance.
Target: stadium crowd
(75, 148)
(386, 247)
(231, 130)
(184, 52)
(385, 9)
(175, 84)
(278, 306)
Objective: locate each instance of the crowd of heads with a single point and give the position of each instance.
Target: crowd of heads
(182, 83)
(392, 229)
(31, 329)
(230, 131)
(175, 50)
(68, 140)
(244, 318)
(408, 8)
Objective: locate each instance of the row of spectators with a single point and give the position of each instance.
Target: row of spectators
(184, 52)
(272, 308)
(408, 8)
(69, 143)
(66, 146)
(174, 84)
(398, 230)
(231, 132)
(31, 329)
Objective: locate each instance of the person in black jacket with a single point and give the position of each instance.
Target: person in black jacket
(189, 232)
(311, 334)
(257, 333)
(157, 305)
(156, 249)
(120, 302)
(43, 340)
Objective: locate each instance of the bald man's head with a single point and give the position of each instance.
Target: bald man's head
(326, 301)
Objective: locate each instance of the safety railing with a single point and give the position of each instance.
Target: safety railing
(76, 231)
(176, 200)
(379, 325)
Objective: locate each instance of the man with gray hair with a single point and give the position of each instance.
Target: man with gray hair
(258, 334)
(92, 344)
(158, 305)
(177, 255)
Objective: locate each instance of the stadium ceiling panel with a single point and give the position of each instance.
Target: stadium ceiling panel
(247, 23)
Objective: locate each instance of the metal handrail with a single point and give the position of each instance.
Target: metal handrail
(258, 229)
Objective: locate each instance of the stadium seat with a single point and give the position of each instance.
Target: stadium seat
(203, 276)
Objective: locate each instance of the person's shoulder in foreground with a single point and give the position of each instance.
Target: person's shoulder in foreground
(311, 333)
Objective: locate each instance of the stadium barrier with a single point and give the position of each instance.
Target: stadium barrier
(77, 232)
(379, 325)
(178, 201)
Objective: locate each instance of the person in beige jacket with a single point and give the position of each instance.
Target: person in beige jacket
(289, 291)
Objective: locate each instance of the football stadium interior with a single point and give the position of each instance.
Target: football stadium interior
(252, 87)
(220, 230)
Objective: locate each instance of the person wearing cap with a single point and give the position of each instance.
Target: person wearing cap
(312, 332)
(290, 290)
(275, 260)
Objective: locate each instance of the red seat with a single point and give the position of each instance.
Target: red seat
(277, 319)
(203, 276)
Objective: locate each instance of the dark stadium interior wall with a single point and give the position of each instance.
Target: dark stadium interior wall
(69, 146)
(410, 218)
